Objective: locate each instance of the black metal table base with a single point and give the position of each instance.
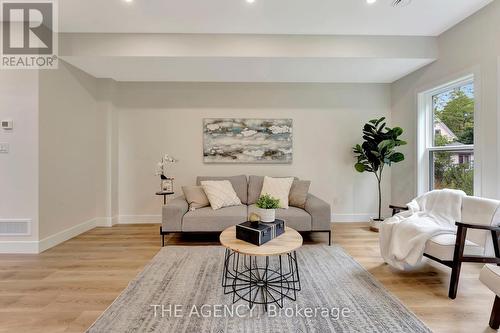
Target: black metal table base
(261, 280)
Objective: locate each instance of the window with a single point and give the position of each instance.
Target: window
(446, 140)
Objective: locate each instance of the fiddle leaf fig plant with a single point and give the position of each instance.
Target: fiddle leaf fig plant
(378, 150)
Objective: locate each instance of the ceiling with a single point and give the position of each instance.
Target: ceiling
(264, 41)
(321, 17)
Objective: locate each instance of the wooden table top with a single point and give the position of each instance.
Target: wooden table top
(285, 243)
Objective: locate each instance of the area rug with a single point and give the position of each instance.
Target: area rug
(180, 291)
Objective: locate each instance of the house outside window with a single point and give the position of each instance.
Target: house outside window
(446, 137)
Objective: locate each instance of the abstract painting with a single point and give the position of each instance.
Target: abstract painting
(247, 140)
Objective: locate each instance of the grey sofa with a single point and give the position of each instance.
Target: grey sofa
(177, 218)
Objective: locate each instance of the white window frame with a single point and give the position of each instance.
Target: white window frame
(425, 133)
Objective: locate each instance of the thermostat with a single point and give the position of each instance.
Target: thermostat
(7, 124)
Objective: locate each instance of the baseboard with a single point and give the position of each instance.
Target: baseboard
(69, 233)
(152, 219)
(341, 218)
(104, 222)
(34, 247)
(62, 236)
(107, 221)
(139, 219)
(21, 247)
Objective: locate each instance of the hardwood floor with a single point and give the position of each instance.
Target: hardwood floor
(66, 288)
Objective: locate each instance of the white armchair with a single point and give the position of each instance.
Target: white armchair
(477, 239)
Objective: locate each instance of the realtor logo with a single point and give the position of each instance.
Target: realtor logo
(28, 34)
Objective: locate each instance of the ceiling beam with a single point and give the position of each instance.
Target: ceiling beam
(232, 45)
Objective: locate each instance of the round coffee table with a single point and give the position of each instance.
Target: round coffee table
(263, 274)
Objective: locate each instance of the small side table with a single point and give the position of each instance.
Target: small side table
(164, 196)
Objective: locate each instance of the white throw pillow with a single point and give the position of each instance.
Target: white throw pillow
(278, 188)
(220, 193)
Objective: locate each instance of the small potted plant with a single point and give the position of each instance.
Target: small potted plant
(167, 183)
(267, 208)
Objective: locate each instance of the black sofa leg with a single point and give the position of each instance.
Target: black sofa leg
(495, 314)
(162, 237)
(330, 238)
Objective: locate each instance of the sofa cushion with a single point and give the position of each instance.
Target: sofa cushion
(255, 188)
(207, 219)
(239, 184)
(443, 247)
(220, 193)
(278, 188)
(298, 193)
(294, 217)
(490, 276)
(195, 196)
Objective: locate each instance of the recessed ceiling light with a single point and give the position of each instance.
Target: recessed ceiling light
(128, 0)
(400, 3)
(371, 1)
(250, 1)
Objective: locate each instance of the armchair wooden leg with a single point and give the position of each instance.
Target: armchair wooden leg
(495, 314)
(457, 262)
(455, 276)
(495, 235)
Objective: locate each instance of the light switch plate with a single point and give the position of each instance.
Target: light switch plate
(4, 147)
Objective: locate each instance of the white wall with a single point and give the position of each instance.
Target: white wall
(56, 172)
(19, 168)
(108, 114)
(159, 118)
(474, 44)
(72, 154)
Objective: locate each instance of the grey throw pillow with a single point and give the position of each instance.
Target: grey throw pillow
(298, 193)
(195, 196)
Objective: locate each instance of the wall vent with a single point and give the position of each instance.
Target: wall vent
(15, 227)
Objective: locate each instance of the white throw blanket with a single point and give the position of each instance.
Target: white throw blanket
(403, 236)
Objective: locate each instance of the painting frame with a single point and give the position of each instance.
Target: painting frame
(279, 141)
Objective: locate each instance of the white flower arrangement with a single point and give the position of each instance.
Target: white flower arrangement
(161, 167)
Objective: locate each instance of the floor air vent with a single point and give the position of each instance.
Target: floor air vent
(15, 227)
